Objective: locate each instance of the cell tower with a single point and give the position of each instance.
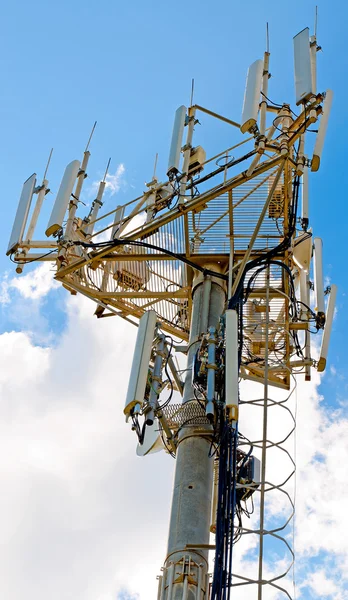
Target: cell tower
(213, 263)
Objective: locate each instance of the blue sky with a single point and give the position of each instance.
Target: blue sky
(129, 66)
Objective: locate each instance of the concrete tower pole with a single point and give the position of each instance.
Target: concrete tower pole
(185, 571)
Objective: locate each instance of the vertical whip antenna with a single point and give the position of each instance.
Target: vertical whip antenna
(267, 38)
(91, 135)
(96, 204)
(316, 21)
(48, 164)
(106, 170)
(155, 167)
(192, 91)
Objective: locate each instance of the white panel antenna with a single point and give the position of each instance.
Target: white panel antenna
(303, 67)
(232, 367)
(176, 144)
(141, 359)
(252, 96)
(22, 214)
(327, 330)
(62, 200)
(318, 276)
(319, 142)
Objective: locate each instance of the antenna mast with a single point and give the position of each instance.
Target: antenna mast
(212, 256)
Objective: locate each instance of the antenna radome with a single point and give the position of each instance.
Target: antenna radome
(252, 96)
(319, 142)
(303, 67)
(62, 200)
(140, 366)
(175, 146)
(22, 213)
(327, 330)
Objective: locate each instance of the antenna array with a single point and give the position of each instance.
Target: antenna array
(213, 255)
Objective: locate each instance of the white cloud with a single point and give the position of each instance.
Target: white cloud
(23, 298)
(4, 292)
(81, 509)
(322, 490)
(113, 181)
(323, 586)
(34, 285)
(78, 506)
(20, 362)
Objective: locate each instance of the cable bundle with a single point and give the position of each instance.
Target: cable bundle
(226, 506)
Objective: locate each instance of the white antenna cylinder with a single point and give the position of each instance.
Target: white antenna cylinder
(304, 288)
(36, 212)
(327, 330)
(176, 144)
(319, 142)
(62, 200)
(304, 215)
(141, 360)
(318, 275)
(303, 67)
(252, 96)
(300, 155)
(97, 204)
(263, 110)
(22, 213)
(73, 204)
(232, 369)
(117, 219)
(305, 315)
(313, 52)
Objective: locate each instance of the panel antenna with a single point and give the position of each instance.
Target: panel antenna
(328, 327)
(140, 366)
(22, 214)
(303, 67)
(212, 266)
(252, 96)
(63, 197)
(319, 142)
(175, 147)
